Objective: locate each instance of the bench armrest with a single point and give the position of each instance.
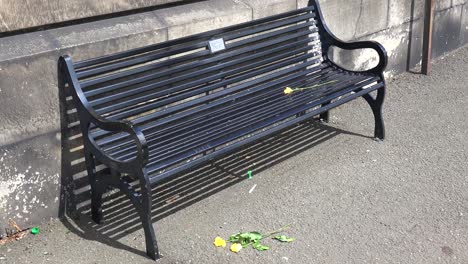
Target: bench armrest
(122, 126)
(331, 40)
(67, 75)
(368, 44)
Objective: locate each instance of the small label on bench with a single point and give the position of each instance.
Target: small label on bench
(216, 45)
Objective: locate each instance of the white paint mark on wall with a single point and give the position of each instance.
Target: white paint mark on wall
(26, 188)
(4, 193)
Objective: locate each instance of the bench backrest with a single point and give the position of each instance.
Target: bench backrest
(203, 70)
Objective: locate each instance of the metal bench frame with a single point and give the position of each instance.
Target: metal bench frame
(120, 171)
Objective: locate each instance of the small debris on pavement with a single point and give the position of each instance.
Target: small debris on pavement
(253, 188)
(249, 174)
(35, 230)
(242, 240)
(14, 233)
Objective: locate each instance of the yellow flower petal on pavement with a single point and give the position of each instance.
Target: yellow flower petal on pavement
(236, 247)
(288, 90)
(219, 242)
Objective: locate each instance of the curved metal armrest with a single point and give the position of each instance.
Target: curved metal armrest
(127, 127)
(67, 75)
(383, 58)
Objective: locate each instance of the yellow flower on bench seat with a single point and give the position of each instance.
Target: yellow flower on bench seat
(288, 90)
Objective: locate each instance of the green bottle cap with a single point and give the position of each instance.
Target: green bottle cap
(35, 230)
(249, 174)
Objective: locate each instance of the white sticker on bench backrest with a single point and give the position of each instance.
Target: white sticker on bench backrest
(216, 45)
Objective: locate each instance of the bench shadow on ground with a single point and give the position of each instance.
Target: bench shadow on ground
(173, 195)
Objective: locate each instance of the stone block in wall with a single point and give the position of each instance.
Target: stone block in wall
(446, 31)
(396, 42)
(108, 36)
(262, 8)
(30, 180)
(459, 2)
(15, 15)
(464, 25)
(415, 38)
(27, 78)
(442, 4)
(402, 11)
(203, 16)
(302, 3)
(402, 45)
(354, 18)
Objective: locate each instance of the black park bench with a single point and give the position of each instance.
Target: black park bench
(153, 112)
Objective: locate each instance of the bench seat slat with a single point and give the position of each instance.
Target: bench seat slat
(239, 90)
(161, 152)
(188, 128)
(243, 90)
(221, 115)
(155, 167)
(156, 178)
(169, 100)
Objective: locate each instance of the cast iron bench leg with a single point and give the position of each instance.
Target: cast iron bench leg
(325, 116)
(376, 105)
(145, 215)
(377, 110)
(96, 192)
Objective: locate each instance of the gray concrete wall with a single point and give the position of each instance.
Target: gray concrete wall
(36, 155)
(17, 14)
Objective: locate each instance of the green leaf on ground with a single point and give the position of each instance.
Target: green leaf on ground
(245, 237)
(234, 238)
(259, 246)
(284, 238)
(254, 236)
